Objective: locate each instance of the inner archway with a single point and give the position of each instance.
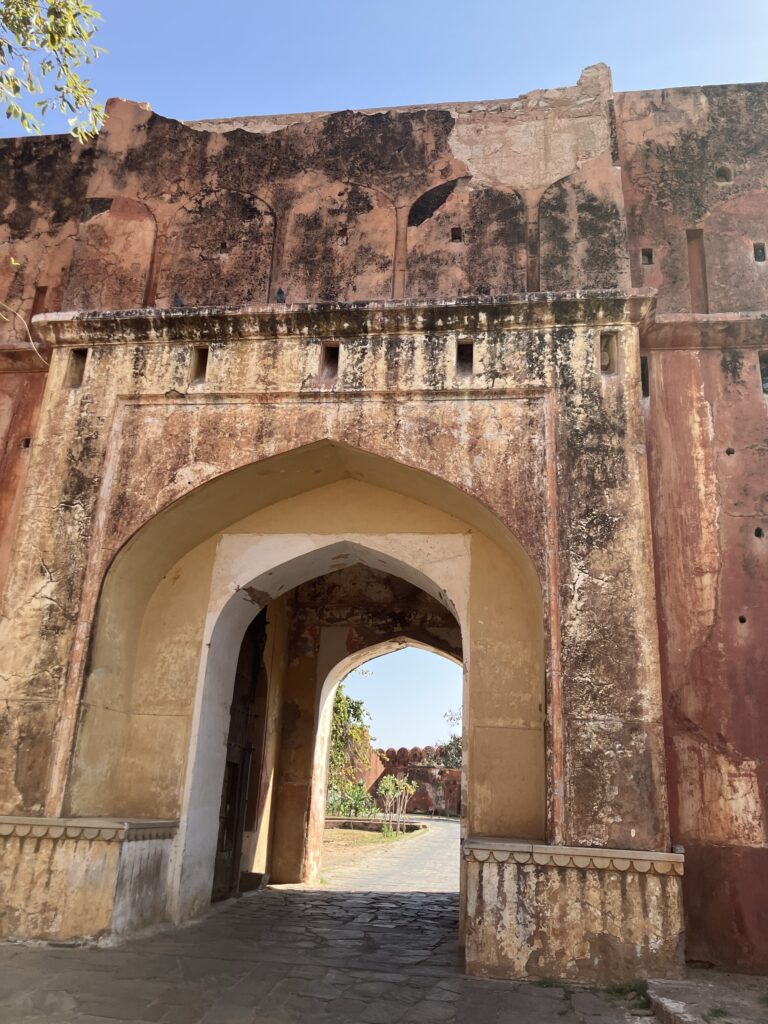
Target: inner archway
(394, 771)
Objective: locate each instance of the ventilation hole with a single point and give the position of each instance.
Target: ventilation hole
(645, 380)
(76, 367)
(198, 370)
(763, 361)
(456, 234)
(465, 358)
(646, 257)
(759, 250)
(25, 442)
(730, 451)
(742, 619)
(759, 532)
(608, 352)
(723, 174)
(330, 357)
(222, 246)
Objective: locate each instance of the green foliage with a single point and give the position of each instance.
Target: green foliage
(43, 46)
(350, 800)
(450, 752)
(350, 745)
(395, 791)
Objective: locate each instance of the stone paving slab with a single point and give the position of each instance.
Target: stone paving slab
(706, 997)
(293, 955)
(243, 965)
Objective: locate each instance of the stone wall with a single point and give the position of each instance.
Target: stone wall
(411, 209)
(65, 879)
(577, 913)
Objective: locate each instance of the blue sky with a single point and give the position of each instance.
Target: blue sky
(407, 694)
(192, 59)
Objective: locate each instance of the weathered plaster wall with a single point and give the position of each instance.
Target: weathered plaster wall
(710, 526)
(65, 879)
(333, 207)
(573, 456)
(586, 914)
(21, 391)
(695, 159)
(569, 188)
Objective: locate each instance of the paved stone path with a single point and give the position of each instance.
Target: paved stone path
(292, 955)
(425, 861)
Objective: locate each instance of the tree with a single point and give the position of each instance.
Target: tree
(395, 792)
(350, 747)
(450, 752)
(43, 46)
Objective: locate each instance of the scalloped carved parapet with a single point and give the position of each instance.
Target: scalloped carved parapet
(106, 830)
(576, 913)
(81, 878)
(481, 849)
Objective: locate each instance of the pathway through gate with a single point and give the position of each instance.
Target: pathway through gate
(375, 944)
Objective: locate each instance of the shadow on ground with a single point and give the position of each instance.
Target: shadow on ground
(285, 956)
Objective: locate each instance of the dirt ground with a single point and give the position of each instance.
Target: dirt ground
(341, 845)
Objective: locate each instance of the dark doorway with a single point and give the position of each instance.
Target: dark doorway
(245, 745)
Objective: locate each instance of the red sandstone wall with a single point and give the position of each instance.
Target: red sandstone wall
(695, 169)
(708, 441)
(438, 789)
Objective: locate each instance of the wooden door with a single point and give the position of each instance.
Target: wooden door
(244, 726)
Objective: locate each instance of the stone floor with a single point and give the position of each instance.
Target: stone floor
(706, 996)
(350, 951)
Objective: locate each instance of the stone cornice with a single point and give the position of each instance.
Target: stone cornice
(694, 331)
(14, 359)
(485, 848)
(109, 830)
(536, 310)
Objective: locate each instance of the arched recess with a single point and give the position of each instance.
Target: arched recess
(465, 238)
(217, 251)
(112, 255)
(339, 245)
(335, 675)
(179, 595)
(582, 230)
(735, 239)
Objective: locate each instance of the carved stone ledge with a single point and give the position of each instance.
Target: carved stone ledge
(532, 310)
(105, 830)
(484, 848)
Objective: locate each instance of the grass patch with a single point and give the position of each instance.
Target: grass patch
(716, 1013)
(547, 983)
(635, 992)
(763, 999)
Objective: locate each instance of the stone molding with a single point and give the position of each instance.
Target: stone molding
(105, 830)
(694, 331)
(485, 848)
(312, 321)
